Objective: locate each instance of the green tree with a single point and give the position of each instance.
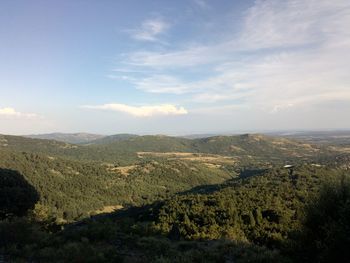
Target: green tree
(325, 234)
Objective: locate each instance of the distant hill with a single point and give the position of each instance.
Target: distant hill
(198, 136)
(67, 150)
(254, 145)
(246, 145)
(161, 143)
(26, 144)
(124, 149)
(75, 138)
(112, 138)
(320, 137)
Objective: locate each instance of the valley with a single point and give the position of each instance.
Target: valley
(133, 195)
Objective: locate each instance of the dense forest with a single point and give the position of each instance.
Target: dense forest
(247, 198)
(72, 190)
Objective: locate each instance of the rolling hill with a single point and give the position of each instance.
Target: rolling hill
(214, 199)
(112, 138)
(71, 189)
(255, 219)
(124, 149)
(74, 138)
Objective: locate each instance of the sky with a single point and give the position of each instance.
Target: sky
(174, 67)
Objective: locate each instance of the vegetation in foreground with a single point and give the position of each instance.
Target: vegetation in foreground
(175, 210)
(257, 219)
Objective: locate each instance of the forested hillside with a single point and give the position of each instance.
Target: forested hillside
(166, 199)
(71, 190)
(256, 219)
(76, 138)
(123, 149)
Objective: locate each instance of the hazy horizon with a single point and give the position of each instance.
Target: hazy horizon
(174, 67)
(213, 133)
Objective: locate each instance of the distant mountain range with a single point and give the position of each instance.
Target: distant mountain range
(112, 138)
(336, 137)
(75, 138)
(90, 138)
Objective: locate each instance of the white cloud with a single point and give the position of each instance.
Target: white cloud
(141, 111)
(287, 55)
(150, 30)
(12, 113)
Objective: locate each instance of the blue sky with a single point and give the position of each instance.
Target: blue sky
(174, 67)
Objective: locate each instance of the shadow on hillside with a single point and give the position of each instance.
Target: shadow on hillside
(17, 196)
(149, 212)
(246, 173)
(212, 188)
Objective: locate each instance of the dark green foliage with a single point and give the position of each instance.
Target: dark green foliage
(17, 196)
(122, 241)
(24, 240)
(174, 210)
(325, 231)
(16, 233)
(71, 190)
(261, 209)
(245, 220)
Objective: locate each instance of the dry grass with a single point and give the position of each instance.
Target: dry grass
(340, 149)
(68, 146)
(109, 209)
(165, 154)
(123, 170)
(236, 148)
(211, 160)
(56, 173)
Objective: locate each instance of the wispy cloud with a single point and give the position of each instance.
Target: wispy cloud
(141, 111)
(163, 84)
(192, 56)
(150, 30)
(287, 54)
(273, 23)
(11, 113)
(202, 4)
